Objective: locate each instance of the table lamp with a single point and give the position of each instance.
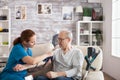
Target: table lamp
(79, 10)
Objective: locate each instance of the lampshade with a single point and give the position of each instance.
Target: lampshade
(79, 9)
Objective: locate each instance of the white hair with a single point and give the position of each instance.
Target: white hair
(69, 34)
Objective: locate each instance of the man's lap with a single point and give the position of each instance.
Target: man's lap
(58, 78)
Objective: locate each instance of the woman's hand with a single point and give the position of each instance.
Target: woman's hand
(18, 67)
(49, 54)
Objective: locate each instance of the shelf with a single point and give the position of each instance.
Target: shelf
(94, 1)
(4, 20)
(4, 56)
(4, 33)
(5, 40)
(84, 33)
(3, 59)
(90, 21)
(90, 46)
(4, 45)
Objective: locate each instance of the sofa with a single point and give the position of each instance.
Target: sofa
(47, 47)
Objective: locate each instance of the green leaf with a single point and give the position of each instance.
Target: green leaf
(87, 11)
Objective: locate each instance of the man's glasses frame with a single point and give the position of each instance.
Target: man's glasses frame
(61, 39)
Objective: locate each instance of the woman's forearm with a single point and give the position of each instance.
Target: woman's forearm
(28, 66)
(35, 60)
(20, 67)
(40, 58)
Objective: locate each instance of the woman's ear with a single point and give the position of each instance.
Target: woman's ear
(26, 44)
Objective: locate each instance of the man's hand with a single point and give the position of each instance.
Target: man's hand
(51, 74)
(18, 67)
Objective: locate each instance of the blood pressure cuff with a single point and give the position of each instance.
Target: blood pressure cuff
(47, 59)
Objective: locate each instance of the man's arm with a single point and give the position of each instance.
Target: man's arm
(77, 65)
(77, 62)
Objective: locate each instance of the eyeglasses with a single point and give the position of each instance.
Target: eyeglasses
(60, 39)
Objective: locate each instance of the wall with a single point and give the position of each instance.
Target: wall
(45, 26)
(111, 65)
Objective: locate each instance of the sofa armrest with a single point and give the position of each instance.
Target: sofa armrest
(95, 75)
(97, 63)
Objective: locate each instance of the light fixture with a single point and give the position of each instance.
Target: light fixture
(79, 9)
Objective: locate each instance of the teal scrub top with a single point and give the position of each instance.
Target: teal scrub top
(15, 57)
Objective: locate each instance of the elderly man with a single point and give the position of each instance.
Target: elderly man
(67, 60)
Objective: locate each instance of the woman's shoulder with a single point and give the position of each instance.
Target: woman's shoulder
(18, 46)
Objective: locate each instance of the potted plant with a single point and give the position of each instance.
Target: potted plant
(99, 37)
(87, 14)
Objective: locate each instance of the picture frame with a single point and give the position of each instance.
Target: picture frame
(67, 13)
(44, 8)
(98, 14)
(20, 12)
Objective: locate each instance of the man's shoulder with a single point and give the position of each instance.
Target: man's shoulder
(57, 50)
(76, 49)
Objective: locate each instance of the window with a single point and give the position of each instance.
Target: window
(116, 28)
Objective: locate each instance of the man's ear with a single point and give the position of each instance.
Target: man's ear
(69, 39)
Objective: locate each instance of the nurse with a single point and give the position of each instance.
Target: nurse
(21, 54)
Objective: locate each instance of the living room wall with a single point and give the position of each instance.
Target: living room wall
(45, 26)
(111, 64)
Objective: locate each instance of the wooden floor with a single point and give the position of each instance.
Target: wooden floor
(107, 77)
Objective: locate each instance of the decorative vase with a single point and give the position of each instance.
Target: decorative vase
(86, 18)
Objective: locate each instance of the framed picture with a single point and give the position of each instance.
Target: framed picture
(44, 8)
(67, 13)
(97, 14)
(20, 12)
